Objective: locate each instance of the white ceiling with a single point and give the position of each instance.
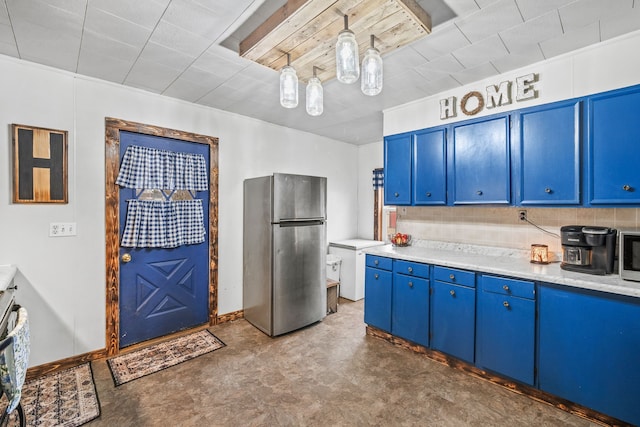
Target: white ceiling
(175, 48)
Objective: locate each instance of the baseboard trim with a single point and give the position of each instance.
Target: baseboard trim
(533, 393)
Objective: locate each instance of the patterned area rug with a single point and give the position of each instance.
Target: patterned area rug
(157, 357)
(65, 398)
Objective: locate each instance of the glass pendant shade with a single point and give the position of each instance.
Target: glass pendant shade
(288, 86)
(371, 80)
(347, 62)
(315, 99)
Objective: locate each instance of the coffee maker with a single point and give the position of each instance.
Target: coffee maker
(588, 249)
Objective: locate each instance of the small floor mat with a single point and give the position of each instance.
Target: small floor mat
(157, 357)
(65, 398)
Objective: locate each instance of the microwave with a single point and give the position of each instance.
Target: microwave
(629, 255)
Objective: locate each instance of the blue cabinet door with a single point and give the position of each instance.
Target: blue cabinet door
(430, 167)
(377, 298)
(453, 312)
(410, 308)
(549, 154)
(505, 337)
(589, 350)
(481, 162)
(397, 169)
(614, 151)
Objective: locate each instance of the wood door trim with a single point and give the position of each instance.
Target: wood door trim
(112, 220)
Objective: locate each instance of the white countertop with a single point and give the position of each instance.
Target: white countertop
(507, 262)
(356, 243)
(7, 273)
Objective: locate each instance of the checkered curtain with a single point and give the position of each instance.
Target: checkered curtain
(378, 178)
(163, 224)
(149, 168)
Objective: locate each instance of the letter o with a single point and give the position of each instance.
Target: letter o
(463, 103)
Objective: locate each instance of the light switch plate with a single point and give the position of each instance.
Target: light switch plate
(62, 229)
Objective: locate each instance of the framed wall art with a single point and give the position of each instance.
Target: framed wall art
(39, 165)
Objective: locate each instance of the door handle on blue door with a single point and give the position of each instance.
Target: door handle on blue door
(125, 258)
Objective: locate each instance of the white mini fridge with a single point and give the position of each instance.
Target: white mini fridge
(353, 264)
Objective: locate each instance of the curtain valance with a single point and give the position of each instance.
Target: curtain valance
(378, 178)
(150, 168)
(163, 224)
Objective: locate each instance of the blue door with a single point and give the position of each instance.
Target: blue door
(162, 290)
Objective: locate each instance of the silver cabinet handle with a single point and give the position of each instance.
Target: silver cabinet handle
(506, 304)
(396, 194)
(626, 187)
(547, 190)
(411, 284)
(479, 193)
(428, 194)
(452, 292)
(452, 277)
(410, 270)
(505, 287)
(376, 276)
(375, 262)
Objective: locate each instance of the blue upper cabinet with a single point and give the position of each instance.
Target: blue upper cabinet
(430, 167)
(547, 149)
(614, 147)
(480, 160)
(397, 169)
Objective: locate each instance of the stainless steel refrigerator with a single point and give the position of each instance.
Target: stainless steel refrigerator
(284, 237)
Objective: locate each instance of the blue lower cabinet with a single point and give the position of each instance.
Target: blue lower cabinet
(453, 312)
(589, 349)
(377, 298)
(410, 309)
(505, 336)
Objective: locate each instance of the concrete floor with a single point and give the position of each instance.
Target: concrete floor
(330, 373)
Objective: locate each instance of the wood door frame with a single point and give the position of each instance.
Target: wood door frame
(112, 220)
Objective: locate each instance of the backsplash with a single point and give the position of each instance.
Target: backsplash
(500, 226)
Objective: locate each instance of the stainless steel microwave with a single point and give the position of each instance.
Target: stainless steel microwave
(629, 255)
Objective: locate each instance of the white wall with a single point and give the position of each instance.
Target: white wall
(62, 280)
(609, 65)
(370, 157)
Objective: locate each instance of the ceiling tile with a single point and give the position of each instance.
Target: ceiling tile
(66, 17)
(481, 52)
(529, 33)
(439, 68)
(202, 77)
(441, 85)
(177, 38)
(151, 76)
(186, 90)
(144, 13)
(531, 9)
(45, 46)
(441, 41)
(4, 14)
(402, 59)
(617, 25)
(527, 56)
(103, 46)
(584, 12)
(108, 68)
(170, 58)
(197, 19)
(219, 62)
(486, 22)
(573, 40)
(115, 27)
(463, 7)
(471, 75)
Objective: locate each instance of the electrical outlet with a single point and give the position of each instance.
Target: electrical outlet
(62, 229)
(522, 214)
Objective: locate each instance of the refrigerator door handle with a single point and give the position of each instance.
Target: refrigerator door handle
(300, 222)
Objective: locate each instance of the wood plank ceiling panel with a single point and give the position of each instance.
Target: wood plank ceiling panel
(308, 31)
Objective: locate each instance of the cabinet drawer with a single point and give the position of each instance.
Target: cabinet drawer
(379, 262)
(452, 275)
(501, 285)
(411, 268)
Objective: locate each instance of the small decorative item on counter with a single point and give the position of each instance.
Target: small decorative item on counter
(400, 239)
(539, 254)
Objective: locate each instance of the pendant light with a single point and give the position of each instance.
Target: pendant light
(347, 62)
(288, 85)
(314, 95)
(371, 80)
